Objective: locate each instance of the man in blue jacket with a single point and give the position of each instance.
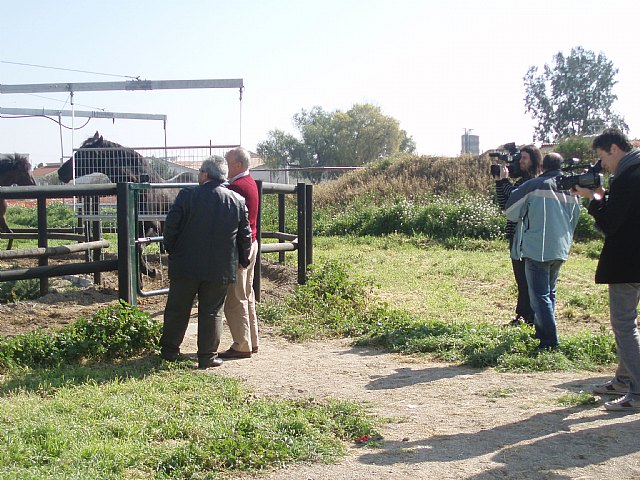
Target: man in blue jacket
(546, 219)
(617, 215)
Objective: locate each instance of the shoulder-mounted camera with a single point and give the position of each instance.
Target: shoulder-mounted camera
(511, 155)
(590, 176)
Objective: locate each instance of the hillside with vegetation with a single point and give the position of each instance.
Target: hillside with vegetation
(412, 177)
(444, 199)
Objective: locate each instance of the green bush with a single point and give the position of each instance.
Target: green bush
(59, 215)
(576, 147)
(586, 228)
(439, 218)
(332, 304)
(118, 331)
(16, 290)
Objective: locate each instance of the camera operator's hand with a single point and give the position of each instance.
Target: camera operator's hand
(597, 194)
(504, 172)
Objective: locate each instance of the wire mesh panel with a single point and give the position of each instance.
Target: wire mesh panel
(113, 163)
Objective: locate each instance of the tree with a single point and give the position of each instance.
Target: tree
(576, 147)
(573, 96)
(282, 150)
(352, 138)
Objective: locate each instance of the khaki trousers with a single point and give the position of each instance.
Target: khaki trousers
(240, 307)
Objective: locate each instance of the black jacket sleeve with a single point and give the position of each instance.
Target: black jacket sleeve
(243, 239)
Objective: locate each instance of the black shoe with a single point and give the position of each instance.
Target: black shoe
(213, 362)
(233, 354)
(172, 357)
(515, 322)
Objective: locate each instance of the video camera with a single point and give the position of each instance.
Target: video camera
(590, 177)
(512, 157)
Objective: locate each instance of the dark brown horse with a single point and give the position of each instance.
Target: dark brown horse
(122, 164)
(14, 170)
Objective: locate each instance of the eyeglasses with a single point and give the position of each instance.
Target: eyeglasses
(202, 171)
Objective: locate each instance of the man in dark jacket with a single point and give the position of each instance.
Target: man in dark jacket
(207, 234)
(530, 164)
(617, 214)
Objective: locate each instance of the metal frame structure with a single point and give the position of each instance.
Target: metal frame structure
(41, 112)
(130, 85)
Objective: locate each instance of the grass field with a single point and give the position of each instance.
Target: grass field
(473, 284)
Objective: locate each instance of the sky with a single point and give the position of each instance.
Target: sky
(439, 67)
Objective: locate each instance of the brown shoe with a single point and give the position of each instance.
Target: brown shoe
(233, 354)
(254, 350)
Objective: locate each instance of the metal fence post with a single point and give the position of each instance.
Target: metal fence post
(257, 269)
(127, 258)
(302, 232)
(42, 241)
(281, 224)
(309, 223)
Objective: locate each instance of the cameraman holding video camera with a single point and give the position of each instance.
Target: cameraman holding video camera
(617, 215)
(529, 166)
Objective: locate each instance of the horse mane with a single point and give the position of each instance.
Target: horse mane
(14, 161)
(100, 142)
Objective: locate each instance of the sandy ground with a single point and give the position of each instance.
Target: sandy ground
(442, 421)
(446, 421)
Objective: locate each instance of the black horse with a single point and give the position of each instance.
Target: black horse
(122, 164)
(14, 170)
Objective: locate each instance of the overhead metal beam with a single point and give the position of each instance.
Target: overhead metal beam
(40, 112)
(132, 85)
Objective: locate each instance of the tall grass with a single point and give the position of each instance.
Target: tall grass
(334, 303)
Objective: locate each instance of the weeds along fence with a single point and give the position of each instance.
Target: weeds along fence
(125, 217)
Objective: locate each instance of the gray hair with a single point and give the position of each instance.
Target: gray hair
(216, 167)
(240, 154)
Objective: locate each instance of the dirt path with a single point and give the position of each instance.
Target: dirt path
(446, 421)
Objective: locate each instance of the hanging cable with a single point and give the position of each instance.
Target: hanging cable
(65, 101)
(49, 118)
(240, 121)
(61, 140)
(69, 70)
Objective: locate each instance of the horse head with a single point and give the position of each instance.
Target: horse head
(16, 170)
(97, 155)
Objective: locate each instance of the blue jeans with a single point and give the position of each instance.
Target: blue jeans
(542, 278)
(623, 307)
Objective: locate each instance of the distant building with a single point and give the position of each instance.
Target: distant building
(46, 174)
(470, 144)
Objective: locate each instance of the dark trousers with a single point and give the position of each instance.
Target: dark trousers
(523, 307)
(182, 292)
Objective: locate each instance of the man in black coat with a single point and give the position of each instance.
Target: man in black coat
(617, 214)
(207, 234)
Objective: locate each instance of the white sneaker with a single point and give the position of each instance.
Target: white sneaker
(612, 387)
(624, 404)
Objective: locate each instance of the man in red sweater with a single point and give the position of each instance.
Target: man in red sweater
(240, 305)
